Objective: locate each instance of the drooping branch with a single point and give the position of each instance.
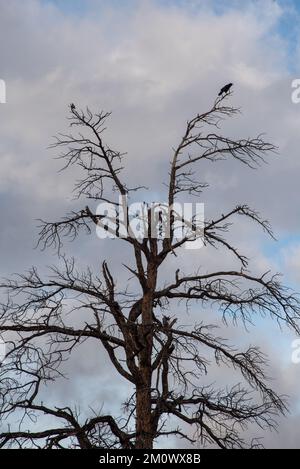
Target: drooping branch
(163, 361)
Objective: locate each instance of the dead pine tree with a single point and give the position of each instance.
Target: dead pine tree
(163, 361)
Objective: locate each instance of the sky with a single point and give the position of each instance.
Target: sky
(153, 64)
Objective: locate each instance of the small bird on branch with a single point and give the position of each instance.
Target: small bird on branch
(167, 323)
(73, 107)
(225, 89)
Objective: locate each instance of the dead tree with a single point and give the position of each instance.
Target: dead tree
(142, 331)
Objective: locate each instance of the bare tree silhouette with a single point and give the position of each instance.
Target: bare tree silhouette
(162, 360)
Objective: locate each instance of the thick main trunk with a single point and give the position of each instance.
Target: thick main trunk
(144, 438)
(144, 426)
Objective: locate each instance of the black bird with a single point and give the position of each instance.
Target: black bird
(73, 107)
(225, 89)
(165, 321)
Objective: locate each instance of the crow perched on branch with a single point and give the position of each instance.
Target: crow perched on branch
(225, 89)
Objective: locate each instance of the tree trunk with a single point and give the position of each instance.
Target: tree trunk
(144, 430)
(144, 425)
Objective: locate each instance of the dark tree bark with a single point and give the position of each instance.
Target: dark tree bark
(161, 358)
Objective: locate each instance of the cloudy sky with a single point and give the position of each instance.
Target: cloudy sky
(153, 64)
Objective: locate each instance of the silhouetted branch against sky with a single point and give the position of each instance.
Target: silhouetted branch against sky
(142, 328)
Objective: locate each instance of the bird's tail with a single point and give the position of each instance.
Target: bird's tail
(220, 94)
